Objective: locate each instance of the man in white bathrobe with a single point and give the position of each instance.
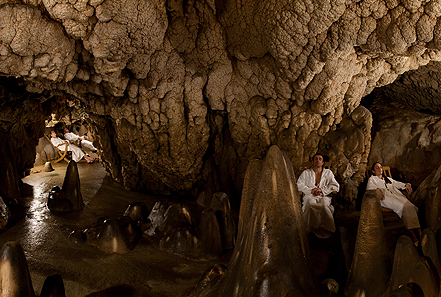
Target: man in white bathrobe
(317, 184)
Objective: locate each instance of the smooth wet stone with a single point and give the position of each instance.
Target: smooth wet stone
(14, 272)
(71, 186)
(138, 211)
(173, 230)
(112, 238)
(210, 241)
(403, 291)
(429, 193)
(5, 213)
(409, 266)
(48, 167)
(370, 269)
(227, 228)
(209, 280)
(53, 287)
(132, 232)
(430, 249)
(57, 201)
(271, 256)
(204, 199)
(221, 202)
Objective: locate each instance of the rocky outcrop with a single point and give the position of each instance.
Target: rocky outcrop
(169, 85)
(370, 270)
(406, 140)
(270, 224)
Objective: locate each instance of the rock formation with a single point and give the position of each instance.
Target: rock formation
(111, 235)
(15, 278)
(71, 186)
(69, 197)
(410, 267)
(370, 270)
(269, 225)
(428, 195)
(406, 140)
(169, 85)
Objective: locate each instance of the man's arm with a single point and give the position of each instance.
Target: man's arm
(302, 183)
(331, 184)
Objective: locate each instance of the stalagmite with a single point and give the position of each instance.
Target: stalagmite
(71, 186)
(430, 249)
(14, 272)
(370, 270)
(53, 287)
(409, 267)
(112, 238)
(210, 240)
(271, 256)
(429, 193)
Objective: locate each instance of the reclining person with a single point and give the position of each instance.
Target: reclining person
(83, 141)
(388, 191)
(317, 184)
(77, 153)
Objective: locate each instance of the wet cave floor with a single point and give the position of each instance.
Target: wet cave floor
(86, 270)
(89, 271)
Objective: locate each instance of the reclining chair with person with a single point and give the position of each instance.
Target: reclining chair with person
(63, 145)
(391, 197)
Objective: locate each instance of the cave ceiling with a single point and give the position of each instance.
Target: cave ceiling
(177, 90)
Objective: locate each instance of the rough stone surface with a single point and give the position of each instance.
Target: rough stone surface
(409, 266)
(168, 85)
(370, 270)
(406, 140)
(430, 249)
(429, 195)
(269, 224)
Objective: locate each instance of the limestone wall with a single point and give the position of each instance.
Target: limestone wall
(168, 85)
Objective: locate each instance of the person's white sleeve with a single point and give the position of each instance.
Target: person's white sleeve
(371, 185)
(71, 137)
(57, 141)
(398, 184)
(302, 183)
(331, 184)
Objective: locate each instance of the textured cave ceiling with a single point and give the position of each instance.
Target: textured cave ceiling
(184, 92)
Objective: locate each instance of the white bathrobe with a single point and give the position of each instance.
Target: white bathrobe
(317, 210)
(395, 200)
(77, 153)
(85, 144)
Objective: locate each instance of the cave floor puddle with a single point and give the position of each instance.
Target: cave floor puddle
(87, 270)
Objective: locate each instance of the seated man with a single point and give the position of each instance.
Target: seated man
(77, 153)
(317, 184)
(83, 141)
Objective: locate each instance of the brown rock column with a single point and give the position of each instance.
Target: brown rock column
(370, 270)
(430, 249)
(271, 257)
(71, 186)
(410, 267)
(429, 193)
(14, 272)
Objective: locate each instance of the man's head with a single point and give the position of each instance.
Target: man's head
(53, 134)
(318, 160)
(66, 130)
